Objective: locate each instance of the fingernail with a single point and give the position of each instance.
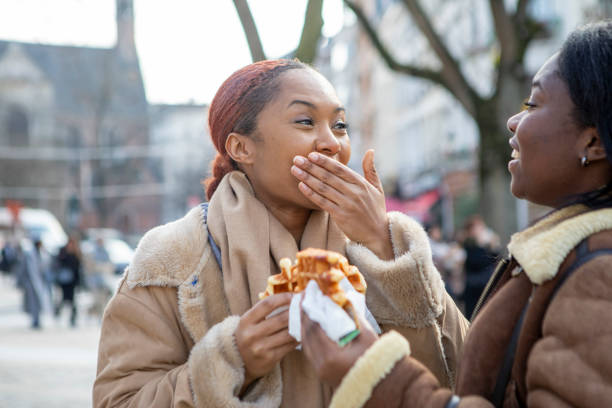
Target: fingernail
(299, 160)
(296, 170)
(313, 156)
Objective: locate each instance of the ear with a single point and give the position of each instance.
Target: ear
(240, 148)
(591, 145)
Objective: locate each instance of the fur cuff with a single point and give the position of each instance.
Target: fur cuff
(374, 365)
(408, 290)
(217, 372)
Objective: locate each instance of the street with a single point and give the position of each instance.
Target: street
(51, 367)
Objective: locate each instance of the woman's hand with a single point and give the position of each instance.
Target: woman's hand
(330, 361)
(355, 203)
(264, 342)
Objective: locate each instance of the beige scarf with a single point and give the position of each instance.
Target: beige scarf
(252, 242)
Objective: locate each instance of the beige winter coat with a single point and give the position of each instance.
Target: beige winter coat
(167, 336)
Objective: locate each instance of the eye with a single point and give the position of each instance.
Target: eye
(527, 105)
(305, 121)
(341, 125)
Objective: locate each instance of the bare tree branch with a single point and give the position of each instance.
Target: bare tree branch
(521, 10)
(389, 59)
(506, 33)
(457, 83)
(311, 32)
(250, 30)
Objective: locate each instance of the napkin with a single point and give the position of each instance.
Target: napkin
(334, 321)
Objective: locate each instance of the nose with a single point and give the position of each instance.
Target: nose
(327, 143)
(513, 122)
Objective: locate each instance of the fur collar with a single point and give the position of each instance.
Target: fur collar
(169, 254)
(541, 248)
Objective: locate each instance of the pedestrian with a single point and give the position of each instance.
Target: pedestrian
(31, 267)
(186, 327)
(542, 337)
(68, 277)
(448, 257)
(481, 246)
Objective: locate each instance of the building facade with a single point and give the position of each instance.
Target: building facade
(74, 132)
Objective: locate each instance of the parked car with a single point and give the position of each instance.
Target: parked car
(119, 252)
(37, 223)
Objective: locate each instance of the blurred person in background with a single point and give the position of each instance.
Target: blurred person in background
(68, 277)
(100, 269)
(448, 257)
(32, 269)
(8, 256)
(482, 250)
(542, 337)
(186, 327)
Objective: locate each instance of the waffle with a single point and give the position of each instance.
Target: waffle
(327, 268)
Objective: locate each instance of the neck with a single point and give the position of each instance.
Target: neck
(293, 219)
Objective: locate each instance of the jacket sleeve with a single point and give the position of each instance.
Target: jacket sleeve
(407, 294)
(571, 364)
(386, 375)
(145, 358)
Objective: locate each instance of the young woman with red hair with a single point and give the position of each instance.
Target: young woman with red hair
(186, 327)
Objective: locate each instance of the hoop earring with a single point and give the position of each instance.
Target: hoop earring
(584, 161)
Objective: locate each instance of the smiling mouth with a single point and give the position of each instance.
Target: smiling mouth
(515, 154)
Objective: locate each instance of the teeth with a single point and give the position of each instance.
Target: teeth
(515, 154)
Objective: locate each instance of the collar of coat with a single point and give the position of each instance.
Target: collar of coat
(541, 248)
(169, 254)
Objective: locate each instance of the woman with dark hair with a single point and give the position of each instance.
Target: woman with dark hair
(68, 277)
(544, 329)
(186, 327)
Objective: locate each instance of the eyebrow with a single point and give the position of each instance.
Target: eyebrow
(312, 105)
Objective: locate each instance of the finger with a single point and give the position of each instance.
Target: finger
(279, 339)
(321, 201)
(273, 324)
(330, 186)
(314, 339)
(280, 352)
(264, 307)
(306, 170)
(369, 170)
(333, 166)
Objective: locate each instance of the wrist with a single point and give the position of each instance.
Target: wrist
(247, 385)
(381, 245)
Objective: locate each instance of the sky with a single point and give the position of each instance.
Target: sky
(186, 47)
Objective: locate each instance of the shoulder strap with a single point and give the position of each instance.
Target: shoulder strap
(582, 256)
(499, 392)
(211, 241)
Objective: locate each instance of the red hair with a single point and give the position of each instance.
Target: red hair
(235, 108)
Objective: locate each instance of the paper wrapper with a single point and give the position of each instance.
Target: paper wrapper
(334, 321)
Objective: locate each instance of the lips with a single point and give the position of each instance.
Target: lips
(515, 150)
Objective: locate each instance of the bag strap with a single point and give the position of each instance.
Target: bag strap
(213, 245)
(582, 256)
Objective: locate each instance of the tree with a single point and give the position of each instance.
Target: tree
(514, 32)
(309, 40)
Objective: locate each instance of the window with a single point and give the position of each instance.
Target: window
(17, 127)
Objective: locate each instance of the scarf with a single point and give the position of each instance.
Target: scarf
(252, 242)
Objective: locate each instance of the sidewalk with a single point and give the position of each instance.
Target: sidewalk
(52, 367)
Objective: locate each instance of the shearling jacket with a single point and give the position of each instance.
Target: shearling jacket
(167, 336)
(562, 356)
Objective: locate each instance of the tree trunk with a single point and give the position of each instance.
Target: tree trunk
(311, 32)
(497, 205)
(250, 30)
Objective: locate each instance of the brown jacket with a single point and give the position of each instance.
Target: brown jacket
(167, 336)
(562, 357)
